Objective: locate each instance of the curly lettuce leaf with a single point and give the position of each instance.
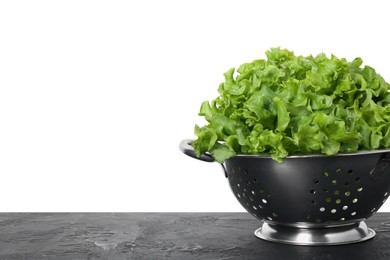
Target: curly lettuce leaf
(290, 104)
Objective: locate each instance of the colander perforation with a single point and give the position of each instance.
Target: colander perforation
(333, 195)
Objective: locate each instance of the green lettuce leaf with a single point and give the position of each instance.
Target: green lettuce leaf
(287, 104)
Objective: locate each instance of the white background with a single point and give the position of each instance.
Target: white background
(95, 96)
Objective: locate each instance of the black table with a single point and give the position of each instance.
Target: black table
(164, 236)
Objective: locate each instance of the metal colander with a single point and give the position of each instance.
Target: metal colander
(312, 199)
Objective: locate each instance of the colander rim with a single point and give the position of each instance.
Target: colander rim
(361, 152)
(187, 143)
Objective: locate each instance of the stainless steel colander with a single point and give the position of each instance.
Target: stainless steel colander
(312, 199)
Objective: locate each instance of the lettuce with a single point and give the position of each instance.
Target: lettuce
(294, 105)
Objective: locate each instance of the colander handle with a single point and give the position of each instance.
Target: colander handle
(186, 147)
(381, 170)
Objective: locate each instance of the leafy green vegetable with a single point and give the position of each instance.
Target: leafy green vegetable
(289, 104)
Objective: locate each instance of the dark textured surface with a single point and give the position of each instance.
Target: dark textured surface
(164, 236)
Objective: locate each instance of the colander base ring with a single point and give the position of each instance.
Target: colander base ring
(354, 233)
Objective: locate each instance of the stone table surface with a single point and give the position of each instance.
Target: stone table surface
(164, 236)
